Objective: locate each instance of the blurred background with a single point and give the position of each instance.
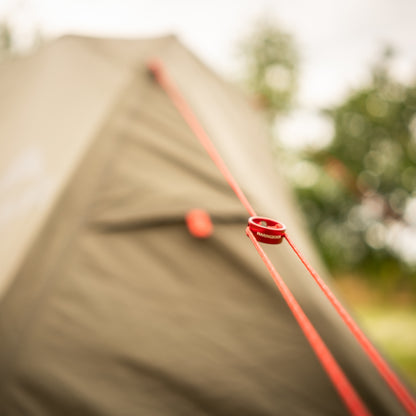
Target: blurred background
(337, 83)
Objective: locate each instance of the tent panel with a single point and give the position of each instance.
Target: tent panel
(139, 328)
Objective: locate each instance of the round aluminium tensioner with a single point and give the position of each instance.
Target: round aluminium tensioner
(266, 230)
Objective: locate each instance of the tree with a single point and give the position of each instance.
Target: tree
(270, 61)
(6, 40)
(359, 192)
(9, 46)
(362, 206)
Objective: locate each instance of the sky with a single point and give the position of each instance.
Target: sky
(338, 40)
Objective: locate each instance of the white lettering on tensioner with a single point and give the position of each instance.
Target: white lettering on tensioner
(269, 235)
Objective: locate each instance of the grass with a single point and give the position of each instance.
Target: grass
(394, 329)
(389, 318)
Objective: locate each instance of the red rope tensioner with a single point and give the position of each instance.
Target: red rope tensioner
(266, 230)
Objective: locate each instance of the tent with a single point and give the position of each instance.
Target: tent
(110, 306)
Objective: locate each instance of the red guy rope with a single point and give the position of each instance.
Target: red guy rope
(339, 379)
(335, 373)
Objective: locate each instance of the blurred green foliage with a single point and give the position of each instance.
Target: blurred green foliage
(270, 60)
(358, 192)
(362, 205)
(6, 40)
(9, 45)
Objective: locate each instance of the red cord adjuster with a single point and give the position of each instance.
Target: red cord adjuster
(266, 230)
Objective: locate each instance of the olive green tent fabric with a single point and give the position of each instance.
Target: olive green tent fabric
(110, 306)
